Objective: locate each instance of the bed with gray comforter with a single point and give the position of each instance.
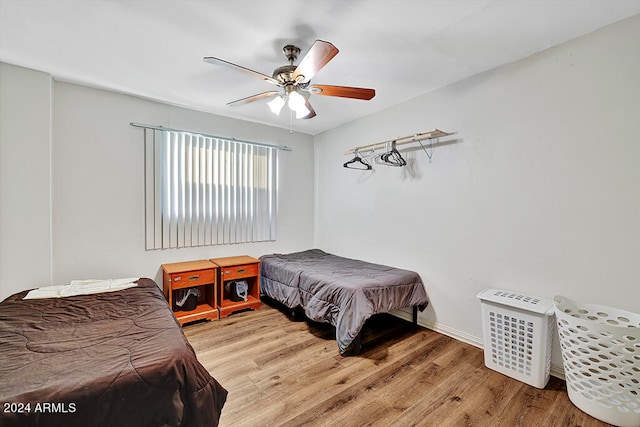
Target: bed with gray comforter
(341, 291)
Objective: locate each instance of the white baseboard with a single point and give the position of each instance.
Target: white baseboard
(556, 371)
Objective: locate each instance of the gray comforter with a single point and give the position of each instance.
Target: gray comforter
(341, 291)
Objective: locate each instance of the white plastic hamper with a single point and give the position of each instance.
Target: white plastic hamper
(518, 331)
(601, 358)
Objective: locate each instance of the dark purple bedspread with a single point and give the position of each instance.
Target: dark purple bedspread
(341, 291)
(109, 359)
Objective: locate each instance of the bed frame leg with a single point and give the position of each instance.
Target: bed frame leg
(357, 343)
(296, 314)
(415, 316)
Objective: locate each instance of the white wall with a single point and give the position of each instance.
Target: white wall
(96, 181)
(25, 191)
(538, 191)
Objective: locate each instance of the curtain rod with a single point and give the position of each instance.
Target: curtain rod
(436, 133)
(261, 144)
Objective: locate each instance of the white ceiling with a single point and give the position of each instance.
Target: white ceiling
(402, 48)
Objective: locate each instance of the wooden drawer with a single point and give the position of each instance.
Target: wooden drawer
(187, 279)
(239, 271)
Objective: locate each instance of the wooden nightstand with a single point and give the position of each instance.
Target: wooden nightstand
(192, 274)
(238, 268)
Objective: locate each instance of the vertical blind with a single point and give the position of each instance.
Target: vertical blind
(202, 190)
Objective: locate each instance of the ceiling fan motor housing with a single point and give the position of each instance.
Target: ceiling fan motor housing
(284, 74)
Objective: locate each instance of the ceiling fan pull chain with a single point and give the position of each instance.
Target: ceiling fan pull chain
(291, 121)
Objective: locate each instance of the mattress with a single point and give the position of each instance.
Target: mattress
(113, 358)
(341, 291)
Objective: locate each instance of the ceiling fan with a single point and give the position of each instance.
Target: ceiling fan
(295, 81)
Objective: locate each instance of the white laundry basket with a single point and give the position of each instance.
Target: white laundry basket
(518, 332)
(601, 359)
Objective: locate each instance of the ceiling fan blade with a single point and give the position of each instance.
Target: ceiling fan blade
(318, 56)
(217, 61)
(253, 98)
(312, 112)
(343, 91)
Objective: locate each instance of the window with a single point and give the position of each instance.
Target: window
(202, 190)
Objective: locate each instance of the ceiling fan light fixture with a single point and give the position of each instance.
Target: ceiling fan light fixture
(296, 101)
(276, 105)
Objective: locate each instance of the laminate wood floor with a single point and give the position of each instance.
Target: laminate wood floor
(280, 372)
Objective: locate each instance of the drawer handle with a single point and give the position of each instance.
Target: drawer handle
(193, 278)
(177, 279)
(241, 270)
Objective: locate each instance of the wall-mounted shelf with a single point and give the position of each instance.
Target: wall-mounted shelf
(433, 134)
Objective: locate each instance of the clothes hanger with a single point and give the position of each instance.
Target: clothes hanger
(392, 157)
(358, 162)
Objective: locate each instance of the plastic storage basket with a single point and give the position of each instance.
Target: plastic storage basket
(518, 331)
(601, 358)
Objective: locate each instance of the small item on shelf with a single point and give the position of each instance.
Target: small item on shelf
(187, 299)
(236, 290)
